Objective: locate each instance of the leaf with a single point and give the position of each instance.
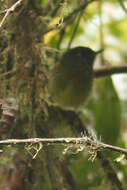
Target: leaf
(88, 171)
(107, 112)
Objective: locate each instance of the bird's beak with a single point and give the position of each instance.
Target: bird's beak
(99, 51)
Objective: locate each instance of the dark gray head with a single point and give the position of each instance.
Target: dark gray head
(84, 51)
(80, 55)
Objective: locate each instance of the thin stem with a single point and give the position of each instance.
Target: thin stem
(8, 11)
(75, 29)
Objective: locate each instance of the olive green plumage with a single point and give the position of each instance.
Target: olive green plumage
(71, 80)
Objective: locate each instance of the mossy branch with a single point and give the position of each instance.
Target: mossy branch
(66, 141)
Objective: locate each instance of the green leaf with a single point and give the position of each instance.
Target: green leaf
(107, 112)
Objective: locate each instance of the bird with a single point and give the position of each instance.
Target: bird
(70, 81)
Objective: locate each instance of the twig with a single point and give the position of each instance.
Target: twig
(8, 11)
(75, 29)
(69, 140)
(101, 35)
(105, 71)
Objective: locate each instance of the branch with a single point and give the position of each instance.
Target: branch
(68, 140)
(8, 11)
(122, 5)
(105, 71)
